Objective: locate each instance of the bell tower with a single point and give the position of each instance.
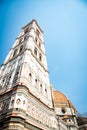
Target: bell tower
(27, 60)
(25, 92)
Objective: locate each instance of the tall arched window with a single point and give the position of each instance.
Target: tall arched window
(20, 40)
(35, 51)
(40, 57)
(37, 32)
(21, 48)
(41, 88)
(45, 91)
(36, 82)
(15, 52)
(26, 37)
(36, 39)
(16, 75)
(26, 30)
(39, 44)
(30, 77)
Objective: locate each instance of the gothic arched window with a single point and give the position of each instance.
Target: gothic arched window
(26, 30)
(35, 51)
(30, 77)
(21, 48)
(39, 44)
(15, 52)
(37, 32)
(36, 39)
(20, 40)
(36, 82)
(40, 57)
(45, 91)
(26, 37)
(41, 88)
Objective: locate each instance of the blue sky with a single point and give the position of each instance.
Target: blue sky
(64, 23)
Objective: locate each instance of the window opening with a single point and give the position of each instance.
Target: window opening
(63, 110)
(21, 48)
(37, 32)
(40, 57)
(39, 44)
(41, 88)
(35, 51)
(36, 39)
(15, 52)
(26, 30)
(35, 82)
(26, 37)
(20, 40)
(30, 76)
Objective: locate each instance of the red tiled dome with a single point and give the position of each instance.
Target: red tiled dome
(60, 100)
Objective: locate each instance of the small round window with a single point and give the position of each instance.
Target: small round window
(18, 101)
(63, 110)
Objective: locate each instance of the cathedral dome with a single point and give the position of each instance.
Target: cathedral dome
(60, 100)
(59, 97)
